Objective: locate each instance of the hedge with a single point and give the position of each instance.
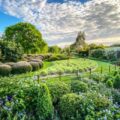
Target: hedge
(5, 70)
(21, 67)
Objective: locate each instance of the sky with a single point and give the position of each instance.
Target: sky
(60, 20)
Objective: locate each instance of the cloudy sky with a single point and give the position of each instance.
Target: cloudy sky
(61, 20)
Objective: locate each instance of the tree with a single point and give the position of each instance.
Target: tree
(54, 49)
(10, 51)
(27, 35)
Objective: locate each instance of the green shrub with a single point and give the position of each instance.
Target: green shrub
(70, 107)
(21, 67)
(109, 83)
(116, 82)
(27, 103)
(97, 53)
(43, 73)
(78, 86)
(38, 102)
(57, 57)
(35, 66)
(116, 96)
(5, 70)
(57, 89)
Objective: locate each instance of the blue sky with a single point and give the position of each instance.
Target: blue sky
(60, 20)
(7, 20)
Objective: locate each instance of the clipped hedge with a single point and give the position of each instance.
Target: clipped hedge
(40, 62)
(57, 90)
(35, 66)
(79, 86)
(5, 70)
(21, 67)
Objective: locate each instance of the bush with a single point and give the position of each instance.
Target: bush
(109, 83)
(70, 107)
(29, 103)
(57, 57)
(57, 90)
(116, 96)
(21, 67)
(38, 102)
(78, 86)
(89, 106)
(97, 53)
(10, 63)
(11, 51)
(43, 73)
(5, 70)
(35, 66)
(116, 82)
(38, 61)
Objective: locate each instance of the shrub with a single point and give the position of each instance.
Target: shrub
(29, 103)
(78, 86)
(57, 89)
(38, 102)
(38, 61)
(97, 53)
(116, 82)
(11, 51)
(5, 70)
(116, 96)
(109, 83)
(10, 63)
(57, 57)
(43, 73)
(70, 107)
(35, 66)
(21, 67)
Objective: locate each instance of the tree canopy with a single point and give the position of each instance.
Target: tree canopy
(28, 36)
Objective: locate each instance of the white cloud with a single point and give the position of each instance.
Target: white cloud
(60, 23)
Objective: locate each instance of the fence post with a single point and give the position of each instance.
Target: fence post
(101, 71)
(38, 77)
(109, 68)
(90, 73)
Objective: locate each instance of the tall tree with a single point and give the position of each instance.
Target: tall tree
(27, 35)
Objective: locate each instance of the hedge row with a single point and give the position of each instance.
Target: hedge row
(19, 67)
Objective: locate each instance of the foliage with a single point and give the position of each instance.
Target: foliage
(110, 54)
(70, 107)
(27, 36)
(35, 66)
(109, 83)
(57, 57)
(97, 53)
(116, 82)
(74, 65)
(116, 96)
(33, 102)
(38, 102)
(10, 50)
(21, 67)
(5, 70)
(54, 49)
(88, 106)
(79, 86)
(57, 90)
